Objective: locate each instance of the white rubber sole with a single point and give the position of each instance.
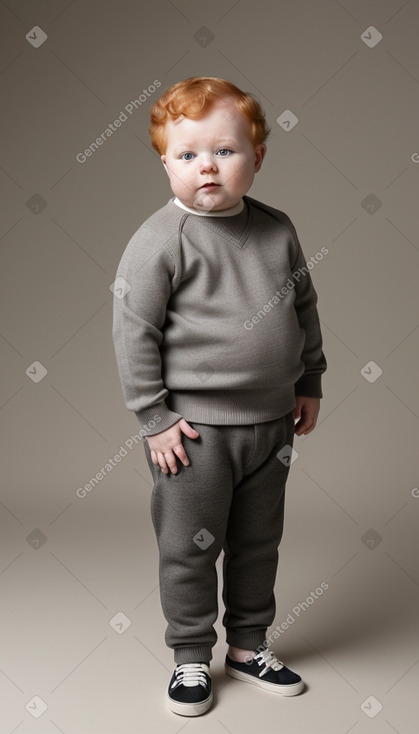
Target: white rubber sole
(291, 690)
(189, 709)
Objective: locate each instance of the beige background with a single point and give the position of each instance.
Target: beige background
(347, 174)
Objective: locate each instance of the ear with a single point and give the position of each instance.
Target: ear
(259, 156)
(164, 161)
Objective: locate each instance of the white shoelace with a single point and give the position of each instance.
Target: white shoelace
(268, 659)
(191, 674)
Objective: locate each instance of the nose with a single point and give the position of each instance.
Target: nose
(207, 163)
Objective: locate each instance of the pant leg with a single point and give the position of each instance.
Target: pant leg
(220, 500)
(193, 504)
(253, 535)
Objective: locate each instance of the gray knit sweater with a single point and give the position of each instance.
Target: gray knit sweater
(215, 318)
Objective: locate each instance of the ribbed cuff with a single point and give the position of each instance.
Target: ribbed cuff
(157, 419)
(310, 386)
(198, 654)
(246, 639)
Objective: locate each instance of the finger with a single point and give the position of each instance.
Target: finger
(154, 458)
(171, 462)
(301, 427)
(307, 426)
(187, 429)
(181, 454)
(162, 463)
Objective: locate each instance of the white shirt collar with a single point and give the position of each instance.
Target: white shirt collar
(223, 213)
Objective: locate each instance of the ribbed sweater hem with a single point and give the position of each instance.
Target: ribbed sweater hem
(231, 407)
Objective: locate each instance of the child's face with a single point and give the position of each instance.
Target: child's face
(217, 149)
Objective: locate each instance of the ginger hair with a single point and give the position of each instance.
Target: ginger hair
(193, 97)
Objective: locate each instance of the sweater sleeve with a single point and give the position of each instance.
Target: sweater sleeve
(142, 288)
(309, 384)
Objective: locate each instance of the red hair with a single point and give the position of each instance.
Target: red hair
(193, 97)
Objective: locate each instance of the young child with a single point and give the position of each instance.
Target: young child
(219, 352)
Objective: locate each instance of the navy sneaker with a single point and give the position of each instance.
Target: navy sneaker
(266, 671)
(189, 692)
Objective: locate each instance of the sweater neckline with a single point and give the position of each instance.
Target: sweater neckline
(226, 227)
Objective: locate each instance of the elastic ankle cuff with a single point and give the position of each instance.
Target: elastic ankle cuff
(198, 654)
(246, 639)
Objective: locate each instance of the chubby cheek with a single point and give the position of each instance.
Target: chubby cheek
(242, 170)
(241, 179)
(181, 179)
(184, 192)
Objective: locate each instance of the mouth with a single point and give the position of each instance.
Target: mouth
(209, 185)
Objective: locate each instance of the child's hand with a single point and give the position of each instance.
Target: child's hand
(165, 446)
(306, 412)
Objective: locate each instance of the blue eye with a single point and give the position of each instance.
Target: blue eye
(222, 153)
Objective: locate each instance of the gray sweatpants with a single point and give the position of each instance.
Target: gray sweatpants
(230, 498)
